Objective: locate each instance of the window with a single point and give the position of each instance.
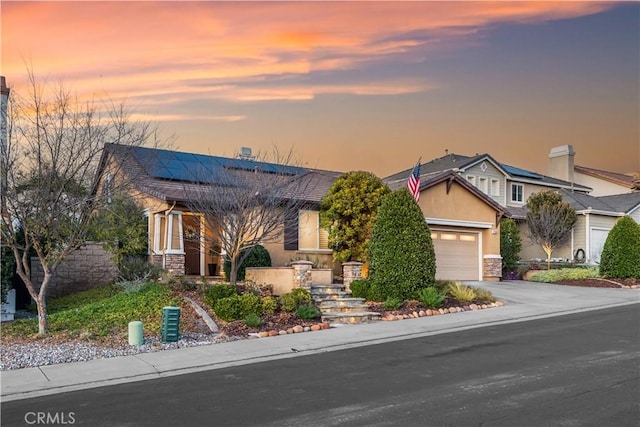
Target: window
(483, 185)
(107, 187)
(471, 179)
(311, 236)
(495, 187)
(516, 193)
(168, 233)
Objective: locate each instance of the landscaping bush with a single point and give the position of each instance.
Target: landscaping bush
(135, 268)
(431, 297)
(307, 311)
(269, 305)
(558, 275)
(290, 302)
(510, 245)
(360, 288)
(484, 296)
(216, 292)
(621, 253)
(250, 304)
(461, 292)
(401, 251)
(392, 303)
(237, 307)
(252, 320)
(258, 257)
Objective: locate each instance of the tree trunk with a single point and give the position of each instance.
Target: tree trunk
(233, 274)
(547, 249)
(41, 303)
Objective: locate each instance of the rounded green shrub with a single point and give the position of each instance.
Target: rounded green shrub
(307, 311)
(237, 307)
(269, 305)
(392, 303)
(621, 253)
(252, 320)
(213, 293)
(401, 252)
(257, 256)
(250, 304)
(290, 302)
(360, 288)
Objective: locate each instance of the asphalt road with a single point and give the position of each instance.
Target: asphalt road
(575, 370)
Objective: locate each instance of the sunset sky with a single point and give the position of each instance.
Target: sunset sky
(352, 86)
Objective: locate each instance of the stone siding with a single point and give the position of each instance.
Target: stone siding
(492, 268)
(86, 268)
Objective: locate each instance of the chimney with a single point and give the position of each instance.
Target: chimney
(561, 162)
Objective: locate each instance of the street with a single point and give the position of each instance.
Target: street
(575, 370)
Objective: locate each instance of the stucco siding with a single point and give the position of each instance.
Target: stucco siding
(600, 186)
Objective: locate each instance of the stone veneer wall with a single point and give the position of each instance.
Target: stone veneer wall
(351, 271)
(302, 274)
(492, 267)
(175, 264)
(86, 268)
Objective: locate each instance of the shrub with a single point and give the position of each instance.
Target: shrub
(307, 311)
(257, 256)
(360, 288)
(510, 244)
(621, 253)
(269, 305)
(228, 309)
(250, 304)
(252, 320)
(461, 292)
(134, 268)
(431, 297)
(292, 300)
(392, 303)
(216, 292)
(483, 295)
(376, 292)
(558, 275)
(401, 252)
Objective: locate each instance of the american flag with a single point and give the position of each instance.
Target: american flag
(414, 182)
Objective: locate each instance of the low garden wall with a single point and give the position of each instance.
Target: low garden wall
(284, 279)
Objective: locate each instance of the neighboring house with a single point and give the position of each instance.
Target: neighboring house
(464, 223)
(163, 183)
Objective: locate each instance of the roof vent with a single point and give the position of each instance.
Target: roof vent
(245, 154)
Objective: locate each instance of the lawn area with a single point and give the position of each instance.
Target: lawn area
(99, 312)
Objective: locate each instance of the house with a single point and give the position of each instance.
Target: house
(464, 224)
(166, 183)
(602, 183)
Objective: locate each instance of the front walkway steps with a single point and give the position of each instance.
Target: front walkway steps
(338, 306)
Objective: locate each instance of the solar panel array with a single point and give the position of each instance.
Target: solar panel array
(190, 167)
(512, 170)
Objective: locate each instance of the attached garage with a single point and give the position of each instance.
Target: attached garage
(457, 254)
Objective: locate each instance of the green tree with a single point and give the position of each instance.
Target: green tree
(550, 220)
(122, 227)
(510, 244)
(401, 252)
(348, 211)
(255, 256)
(621, 253)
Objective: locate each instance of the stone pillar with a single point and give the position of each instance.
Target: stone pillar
(175, 264)
(156, 260)
(492, 268)
(302, 274)
(351, 271)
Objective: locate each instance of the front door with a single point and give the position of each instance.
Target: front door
(191, 230)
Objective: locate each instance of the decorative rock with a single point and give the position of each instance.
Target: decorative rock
(306, 329)
(290, 330)
(273, 333)
(499, 303)
(421, 313)
(399, 317)
(473, 307)
(453, 310)
(443, 311)
(459, 309)
(415, 314)
(263, 334)
(282, 333)
(483, 306)
(435, 312)
(466, 308)
(325, 325)
(429, 312)
(315, 327)
(297, 329)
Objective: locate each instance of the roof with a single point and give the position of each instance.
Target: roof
(629, 181)
(457, 162)
(179, 176)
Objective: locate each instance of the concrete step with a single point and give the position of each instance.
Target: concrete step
(330, 296)
(351, 318)
(326, 289)
(341, 302)
(345, 309)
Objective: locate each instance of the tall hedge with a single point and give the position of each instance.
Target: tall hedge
(621, 253)
(401, 252)
(510, 244)
(257, 256)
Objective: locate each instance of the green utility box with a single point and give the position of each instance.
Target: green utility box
(170, 324)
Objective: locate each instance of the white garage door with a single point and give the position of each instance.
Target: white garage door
(598, 237)
(457, 255)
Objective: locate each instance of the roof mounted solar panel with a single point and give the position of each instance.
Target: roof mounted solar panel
(512, 170)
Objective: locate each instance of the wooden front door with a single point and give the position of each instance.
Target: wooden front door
(191, 231)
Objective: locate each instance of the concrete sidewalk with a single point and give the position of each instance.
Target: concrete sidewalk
(524, 301)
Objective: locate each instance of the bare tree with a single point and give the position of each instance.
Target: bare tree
(49, 164)
(550, 221)
(250, 202)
